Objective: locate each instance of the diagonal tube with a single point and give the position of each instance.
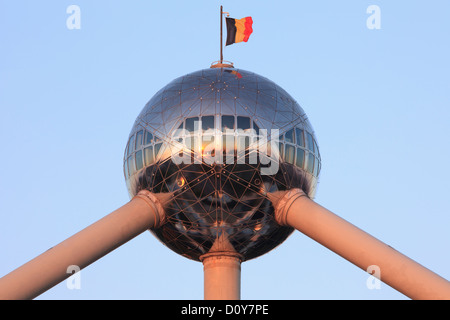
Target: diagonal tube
(144, 211)
(293, 208)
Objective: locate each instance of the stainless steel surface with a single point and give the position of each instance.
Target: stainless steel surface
(226, 198)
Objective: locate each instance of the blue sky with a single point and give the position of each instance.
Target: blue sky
(378, 101)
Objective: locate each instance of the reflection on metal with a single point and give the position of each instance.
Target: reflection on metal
(214, 199)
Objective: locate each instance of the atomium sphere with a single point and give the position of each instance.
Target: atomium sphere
(220, 139)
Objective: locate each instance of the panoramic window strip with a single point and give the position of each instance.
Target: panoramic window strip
(296, 146)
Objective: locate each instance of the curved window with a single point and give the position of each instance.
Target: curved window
(243, 123)
(316, 167)
(316, 149)
(310, 141)
(127, 170)
(289, 154)
(310, 163)
(139, 139)
(148, 155)
(131, 165)
(299, 137)
(192, 124)
(208, 145)
(227, 123)
(228, 144)
(300, 161)
(139, 161)
(208, 123)
(131, 145)
(148, 137)
(289, 136)
(281, 147)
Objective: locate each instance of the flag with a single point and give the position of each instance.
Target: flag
(238, 30)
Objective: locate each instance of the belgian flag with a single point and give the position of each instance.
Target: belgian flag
(238, 30)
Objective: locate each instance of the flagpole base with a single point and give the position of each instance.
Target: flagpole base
(222, 64)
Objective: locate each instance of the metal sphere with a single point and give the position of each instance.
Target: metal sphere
(220, 138)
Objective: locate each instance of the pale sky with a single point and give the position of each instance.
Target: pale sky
(378, 100)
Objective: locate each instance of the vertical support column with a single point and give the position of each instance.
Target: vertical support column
(222, 276)
(294, 208)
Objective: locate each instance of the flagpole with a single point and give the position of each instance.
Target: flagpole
(220, 64)
(221, 28)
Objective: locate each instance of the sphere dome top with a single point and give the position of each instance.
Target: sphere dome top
(222, 91)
